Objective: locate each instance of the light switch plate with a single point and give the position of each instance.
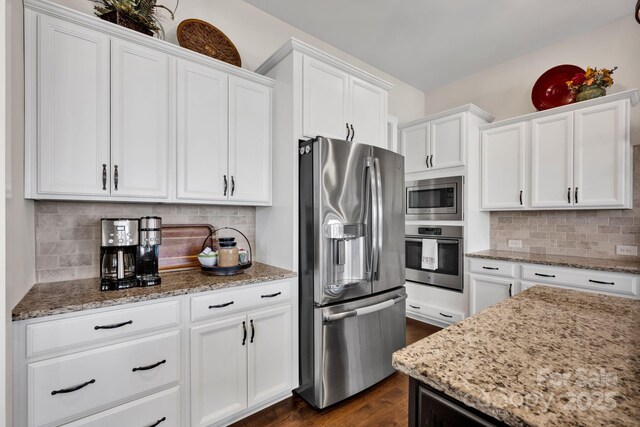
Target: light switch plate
(626, 250)
(515, 243)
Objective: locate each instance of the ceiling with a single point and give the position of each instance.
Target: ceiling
(429, 43)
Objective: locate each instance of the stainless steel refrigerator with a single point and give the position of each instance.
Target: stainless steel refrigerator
(352, 267)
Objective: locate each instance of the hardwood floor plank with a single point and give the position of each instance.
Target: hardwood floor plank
(384, 404)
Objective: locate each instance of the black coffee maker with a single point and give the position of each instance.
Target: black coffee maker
(118, 253)
(147, 259)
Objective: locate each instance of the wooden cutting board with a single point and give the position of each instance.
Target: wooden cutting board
(181, 244)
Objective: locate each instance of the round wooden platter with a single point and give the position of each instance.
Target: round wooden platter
(204, 38)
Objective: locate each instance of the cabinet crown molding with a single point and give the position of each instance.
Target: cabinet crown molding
(296, 45)
(467, 108)
(633, 95)
(95, 23)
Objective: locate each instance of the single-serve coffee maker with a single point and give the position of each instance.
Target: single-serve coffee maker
(150, 239)
(118, 253)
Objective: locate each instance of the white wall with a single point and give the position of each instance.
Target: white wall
(505, 89)
(257, 35)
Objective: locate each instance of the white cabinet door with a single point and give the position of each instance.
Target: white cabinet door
(73, 109)
(601, 142)
(269, 360)
(552, 161)
(415, 141)
(202, 132)
(368, 113)
(485, 291)
(218, 370)
(503, 167)
(325, 100)
(249, 141)
(139, 121)
(446, 142)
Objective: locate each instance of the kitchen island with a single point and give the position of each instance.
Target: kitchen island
(546, 357)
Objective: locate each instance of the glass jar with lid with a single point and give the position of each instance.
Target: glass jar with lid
(227, 253)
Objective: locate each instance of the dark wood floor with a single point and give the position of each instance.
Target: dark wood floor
(384, 404)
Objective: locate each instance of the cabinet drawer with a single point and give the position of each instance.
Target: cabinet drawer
(219, 303)
(597, 280)
(445, 316)
(79, 384)
(63, 334)
(160, 409)
(494, 268)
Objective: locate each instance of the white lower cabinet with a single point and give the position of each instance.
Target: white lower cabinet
(161, 409)
(129, 365)
(485, 291)
(239, 362)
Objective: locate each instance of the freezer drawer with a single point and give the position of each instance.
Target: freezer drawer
(353, 346)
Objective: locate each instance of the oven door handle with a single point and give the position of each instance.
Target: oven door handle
(328, 318)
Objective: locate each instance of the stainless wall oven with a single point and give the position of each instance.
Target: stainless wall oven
(434, 199)
(449, 272)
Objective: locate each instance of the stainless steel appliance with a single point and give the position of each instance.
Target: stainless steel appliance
(118, 248)
(434, 199)
(351, 272)
(147, 259)
(449, 273)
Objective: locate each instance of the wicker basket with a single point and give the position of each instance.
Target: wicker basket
(123, 20)
(204, 38)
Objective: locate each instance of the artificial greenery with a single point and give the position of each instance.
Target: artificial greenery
(143, 12)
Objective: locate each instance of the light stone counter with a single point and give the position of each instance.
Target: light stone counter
(546, 357)
(47, 299)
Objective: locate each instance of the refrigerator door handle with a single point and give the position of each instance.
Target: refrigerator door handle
(380, 219)
(374, 217)
(328, 318)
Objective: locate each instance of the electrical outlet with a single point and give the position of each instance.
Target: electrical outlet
(515, 243)
(626, 250)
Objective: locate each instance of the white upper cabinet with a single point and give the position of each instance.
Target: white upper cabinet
(502, 157)
(552, 161)
(74, 89)
(415, 140)
(325, 100)
(368, 112)
(249, 141)
(139, 121)
(579, 158)
(446, 142)
(202, 148)
(338, 105)
(115, 115)
(602, 169)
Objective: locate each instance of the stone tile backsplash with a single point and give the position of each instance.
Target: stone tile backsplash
(576, 233)
(68, 233)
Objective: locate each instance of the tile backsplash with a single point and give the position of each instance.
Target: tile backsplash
(68, 233)
(576, 233)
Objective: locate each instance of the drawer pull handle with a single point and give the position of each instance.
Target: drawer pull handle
(545, 275)
(414, 306)
(114, 326)
(270, 295)
(244, 332)
(146, 368)
(253, 331)
(602, 283)
(490, 268)
(226, 304)
(72, 389)
(445, 315)
(510, 289)
(158, 422)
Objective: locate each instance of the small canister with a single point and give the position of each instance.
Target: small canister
(227, 254)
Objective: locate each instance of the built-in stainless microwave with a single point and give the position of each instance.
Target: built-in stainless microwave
(434, 199)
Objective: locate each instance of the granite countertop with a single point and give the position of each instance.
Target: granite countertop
(613, 265)
(47, 299)
(546, 357)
